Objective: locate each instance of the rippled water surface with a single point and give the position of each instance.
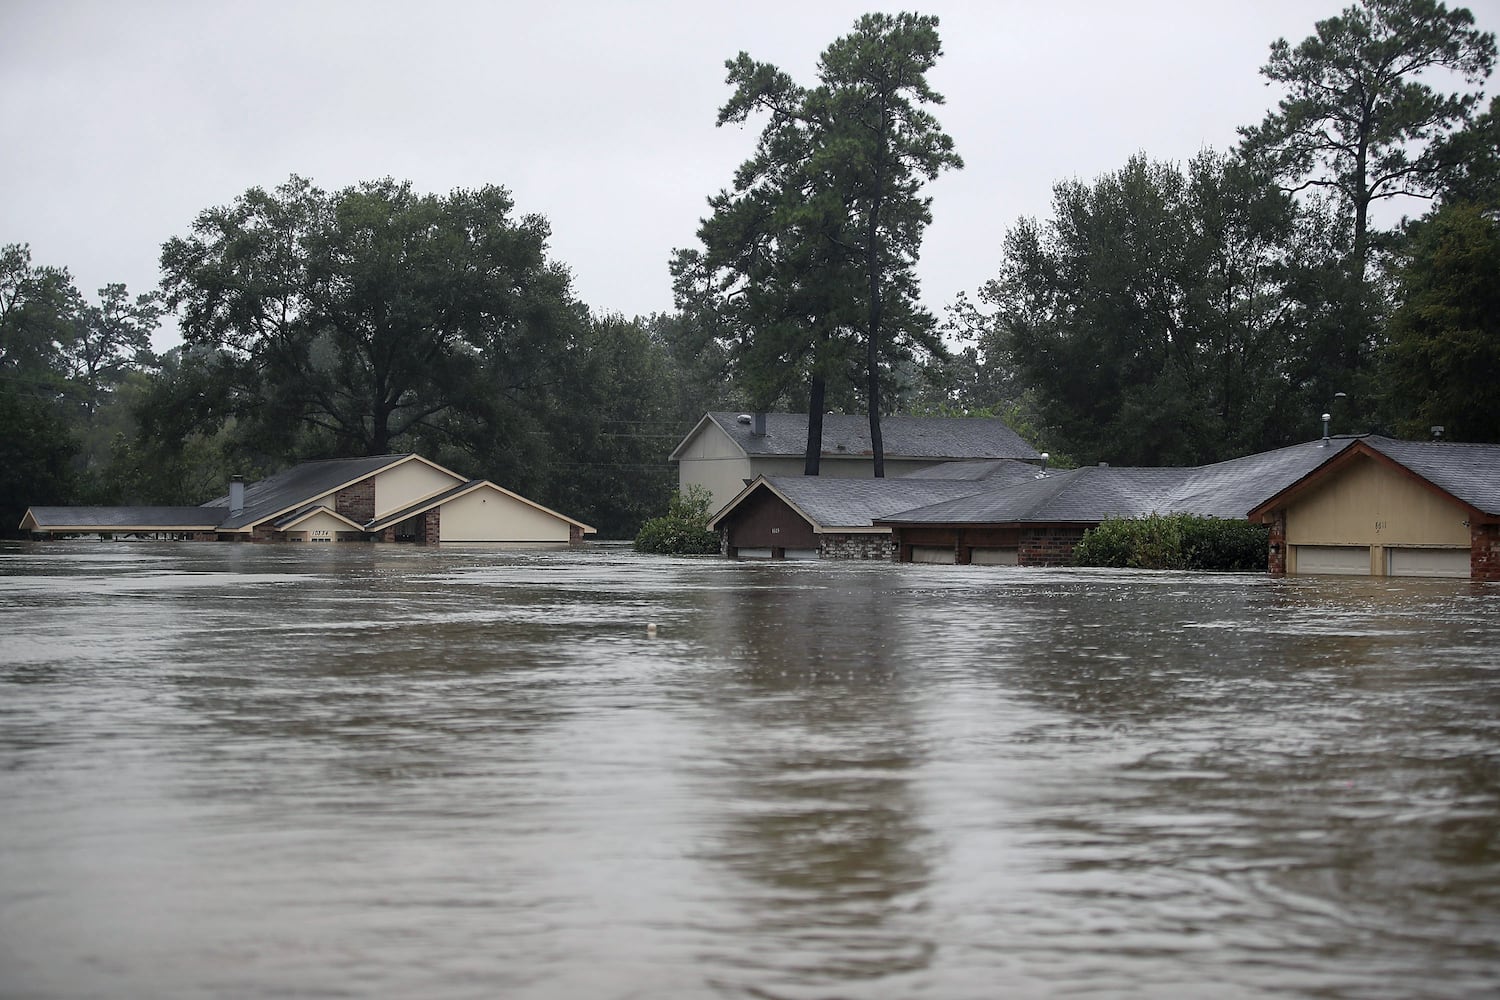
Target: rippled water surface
(269, 771)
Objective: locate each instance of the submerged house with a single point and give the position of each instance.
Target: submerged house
(1359, 504)
(1385, 507)
(726, 451)
(379, 498)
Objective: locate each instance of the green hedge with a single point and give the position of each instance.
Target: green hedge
(1175, 541)
(683, 529)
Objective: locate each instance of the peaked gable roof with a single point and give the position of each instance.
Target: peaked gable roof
(848, 435)
(290, 489)
(830, 503)
(288, 521)
(1469, 473)
(462, 489)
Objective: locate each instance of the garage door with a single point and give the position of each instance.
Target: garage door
(1428, 562)
(1345, 560)
(994, 557)
(932, 554)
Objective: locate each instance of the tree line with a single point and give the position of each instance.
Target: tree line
(1163, 313)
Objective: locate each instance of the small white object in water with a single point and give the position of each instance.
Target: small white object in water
(651, 628)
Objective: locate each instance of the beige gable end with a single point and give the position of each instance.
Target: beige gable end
(1371, 503)
(489, 515)
(405, 484)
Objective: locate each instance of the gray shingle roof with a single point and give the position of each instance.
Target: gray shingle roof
(300, 485)
(1089, 495)
(994, 471)
(106, 518)
(903, 437)
(835, 502)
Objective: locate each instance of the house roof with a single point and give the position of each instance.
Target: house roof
(1470, 473)
(849, 435)
(296, 517)
(829, 503)
(994, 471)
(427, 503)
(1092, 494)
(123, 518)
(298, 486)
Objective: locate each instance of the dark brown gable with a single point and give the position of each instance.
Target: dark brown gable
(764, 520)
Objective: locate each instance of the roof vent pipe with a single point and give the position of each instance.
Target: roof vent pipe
(758, 428)
(236, 495)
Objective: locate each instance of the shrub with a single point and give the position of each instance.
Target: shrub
(1175, 541)
(683, 530)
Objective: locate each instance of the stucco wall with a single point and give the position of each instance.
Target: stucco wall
(408, 482)
(487, 515)
(1369, 503)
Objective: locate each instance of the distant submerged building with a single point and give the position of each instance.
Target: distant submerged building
(380, 498)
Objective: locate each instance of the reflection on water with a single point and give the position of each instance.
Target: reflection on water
(381, 771)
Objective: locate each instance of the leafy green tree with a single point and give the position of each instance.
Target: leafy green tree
(611, 418)
(110, 338)
(1357, 117)
(38, 309)
(38, 306)
(110, 341)
(683, 529)
(1444, 355)
(887, 144)
(1155, 316)
(808, 264)
(367, 315)
(1471, 160)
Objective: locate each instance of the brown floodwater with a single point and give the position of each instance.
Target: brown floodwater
(380, 771)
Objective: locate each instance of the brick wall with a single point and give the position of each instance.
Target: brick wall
(1484, 553)
(429, 528)
(1276, 552)
(1048, 546)
(357, 502)
(858, 546)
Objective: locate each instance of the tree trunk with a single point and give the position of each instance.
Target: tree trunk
(814, 426)
(873, 269)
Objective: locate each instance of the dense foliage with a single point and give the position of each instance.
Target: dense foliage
(1175, 541)
(683, 530)
(1161, 313)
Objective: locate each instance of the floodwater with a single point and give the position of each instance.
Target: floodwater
(381, 771)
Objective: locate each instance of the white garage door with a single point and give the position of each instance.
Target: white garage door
(1428, 562)
(932, 554)
(994, 557)
(1344, 560)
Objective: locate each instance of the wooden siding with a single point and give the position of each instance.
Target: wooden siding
(763, 520)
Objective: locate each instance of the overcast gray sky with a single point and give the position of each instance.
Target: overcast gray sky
(123, 120)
